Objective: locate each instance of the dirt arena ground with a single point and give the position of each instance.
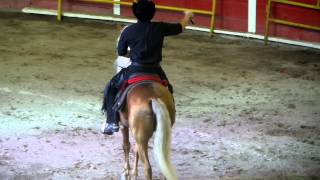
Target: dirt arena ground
(244, 110)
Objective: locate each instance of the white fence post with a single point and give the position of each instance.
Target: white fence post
(252, 16)
(116, 8)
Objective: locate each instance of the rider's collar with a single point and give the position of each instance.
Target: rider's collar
(144, 22)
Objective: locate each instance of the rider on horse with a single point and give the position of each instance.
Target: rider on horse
(145, 39)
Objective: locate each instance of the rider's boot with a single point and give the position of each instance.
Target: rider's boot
(112, 122)
(111, 126)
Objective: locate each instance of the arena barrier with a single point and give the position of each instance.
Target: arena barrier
(169, 8)
(212, 29)
(288, 23)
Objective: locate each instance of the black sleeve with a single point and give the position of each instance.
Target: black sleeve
(122, 45)
(169, 29)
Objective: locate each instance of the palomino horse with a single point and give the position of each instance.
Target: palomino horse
(149, 108)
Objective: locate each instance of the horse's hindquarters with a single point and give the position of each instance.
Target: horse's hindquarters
(140, 98)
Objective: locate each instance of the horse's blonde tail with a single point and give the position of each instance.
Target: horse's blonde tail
(162, 140)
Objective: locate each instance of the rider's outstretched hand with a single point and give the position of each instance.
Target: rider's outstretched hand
(188, 15)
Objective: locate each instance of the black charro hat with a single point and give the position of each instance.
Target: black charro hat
(144, 10)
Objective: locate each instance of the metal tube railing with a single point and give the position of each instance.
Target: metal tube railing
(288, 23)
(266, 31)
(316, 6)
(59, 10)
(169, 8)
(278, 21)
(213, 13)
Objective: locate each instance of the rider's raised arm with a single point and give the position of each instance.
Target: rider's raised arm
(176, 28)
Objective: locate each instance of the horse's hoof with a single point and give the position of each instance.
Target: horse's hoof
(124, 176)
(134, 174)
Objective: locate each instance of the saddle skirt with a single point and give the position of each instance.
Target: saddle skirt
(133, 81)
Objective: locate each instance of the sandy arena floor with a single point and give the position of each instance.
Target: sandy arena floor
(244, 110)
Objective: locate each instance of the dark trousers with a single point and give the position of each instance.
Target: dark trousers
(115, 83)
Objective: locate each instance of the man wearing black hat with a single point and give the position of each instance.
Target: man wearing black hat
(145, 39)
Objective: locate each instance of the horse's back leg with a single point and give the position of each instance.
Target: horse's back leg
(142, 129)
(135, 165)
(126, 149)
(143, 155)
